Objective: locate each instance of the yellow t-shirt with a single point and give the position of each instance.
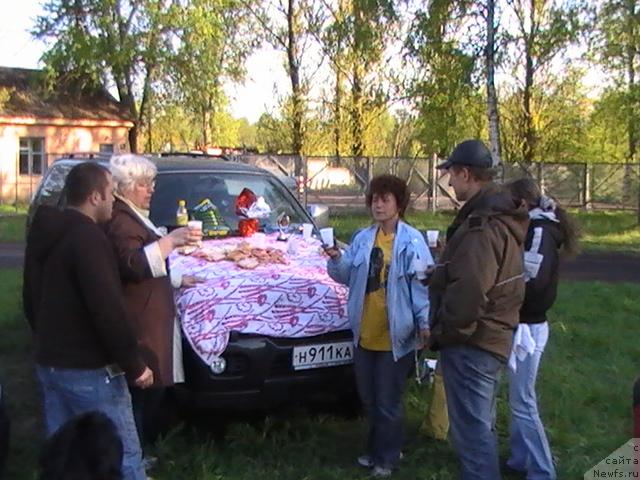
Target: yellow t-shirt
(374, 328)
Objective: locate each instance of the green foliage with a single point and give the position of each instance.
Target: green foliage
(561, 110)
(216, 38)
(272, 135)
(543, 32)
(96, 43)
(5, 96)
(617, 48)
(606, 130)
(170, 62)
(450, 108)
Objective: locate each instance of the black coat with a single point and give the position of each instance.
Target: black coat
(73, 298)
(545, 238)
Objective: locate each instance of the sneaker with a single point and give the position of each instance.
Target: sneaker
(365, 461)
(381, 472)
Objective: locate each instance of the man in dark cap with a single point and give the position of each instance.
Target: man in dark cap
(476, 291)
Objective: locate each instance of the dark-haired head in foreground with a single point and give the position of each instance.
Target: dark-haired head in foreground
(87, 447)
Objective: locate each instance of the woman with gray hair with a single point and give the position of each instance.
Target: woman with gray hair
(142, 250)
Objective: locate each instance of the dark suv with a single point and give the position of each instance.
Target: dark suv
(259, 370)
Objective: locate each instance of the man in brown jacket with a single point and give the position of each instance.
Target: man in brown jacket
(84, 344)
(477, 289)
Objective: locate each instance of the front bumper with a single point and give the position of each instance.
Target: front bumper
(259, 375)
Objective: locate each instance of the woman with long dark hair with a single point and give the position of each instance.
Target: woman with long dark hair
(552, 234)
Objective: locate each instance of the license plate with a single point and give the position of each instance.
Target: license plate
(323, 355)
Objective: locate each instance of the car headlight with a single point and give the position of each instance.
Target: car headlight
(218, 366)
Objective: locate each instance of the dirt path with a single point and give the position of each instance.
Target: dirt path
(605, 267)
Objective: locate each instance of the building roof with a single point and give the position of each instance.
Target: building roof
(26, 96)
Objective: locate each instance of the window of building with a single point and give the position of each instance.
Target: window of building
(31, 156)
(106, 148)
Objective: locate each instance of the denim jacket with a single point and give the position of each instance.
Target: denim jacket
(407, 299)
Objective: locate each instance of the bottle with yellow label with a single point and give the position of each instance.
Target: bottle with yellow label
(182, 216)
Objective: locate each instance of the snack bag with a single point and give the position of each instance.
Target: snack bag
(212, 222)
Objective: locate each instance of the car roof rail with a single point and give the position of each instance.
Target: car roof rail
(81, 156)
(192, 154)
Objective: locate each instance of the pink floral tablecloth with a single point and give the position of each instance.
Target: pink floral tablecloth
(294, 300)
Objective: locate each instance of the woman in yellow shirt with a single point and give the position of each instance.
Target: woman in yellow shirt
(387, 307)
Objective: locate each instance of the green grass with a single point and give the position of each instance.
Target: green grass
(613, 231)
(584, 388)
(346, 225)
(12, 228)
(21, 209)
(601, 231)
(18, 377)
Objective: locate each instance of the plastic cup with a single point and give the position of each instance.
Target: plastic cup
(292, 247)
(195, 224)
(432, 238)
(307, 230)
(326, 234)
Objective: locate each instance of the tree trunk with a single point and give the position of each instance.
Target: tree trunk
(492, 97)
(632, 52)
(294, 76)
(205, 129)
(357, 143)
(632, 132)
(130, 104)
(149, 133)
(357, 69)
(337, 116)
(528, 151)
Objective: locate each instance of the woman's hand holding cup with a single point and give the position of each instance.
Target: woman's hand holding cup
(185, 236)
(195, 232)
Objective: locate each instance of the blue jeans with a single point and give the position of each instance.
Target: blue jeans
(529, 446)
(70, 392)
(381, 381)
(471, 379)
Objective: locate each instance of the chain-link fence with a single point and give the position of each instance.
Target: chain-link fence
(341, 183)
(590, 186)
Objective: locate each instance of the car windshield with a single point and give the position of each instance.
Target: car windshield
(222, 189)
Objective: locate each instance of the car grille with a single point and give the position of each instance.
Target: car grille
(281, 365)
(236, 365)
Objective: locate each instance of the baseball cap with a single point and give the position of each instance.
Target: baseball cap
(470, 153)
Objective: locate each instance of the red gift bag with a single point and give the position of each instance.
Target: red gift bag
(248, 226)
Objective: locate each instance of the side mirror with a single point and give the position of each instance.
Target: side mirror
(319, 213)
